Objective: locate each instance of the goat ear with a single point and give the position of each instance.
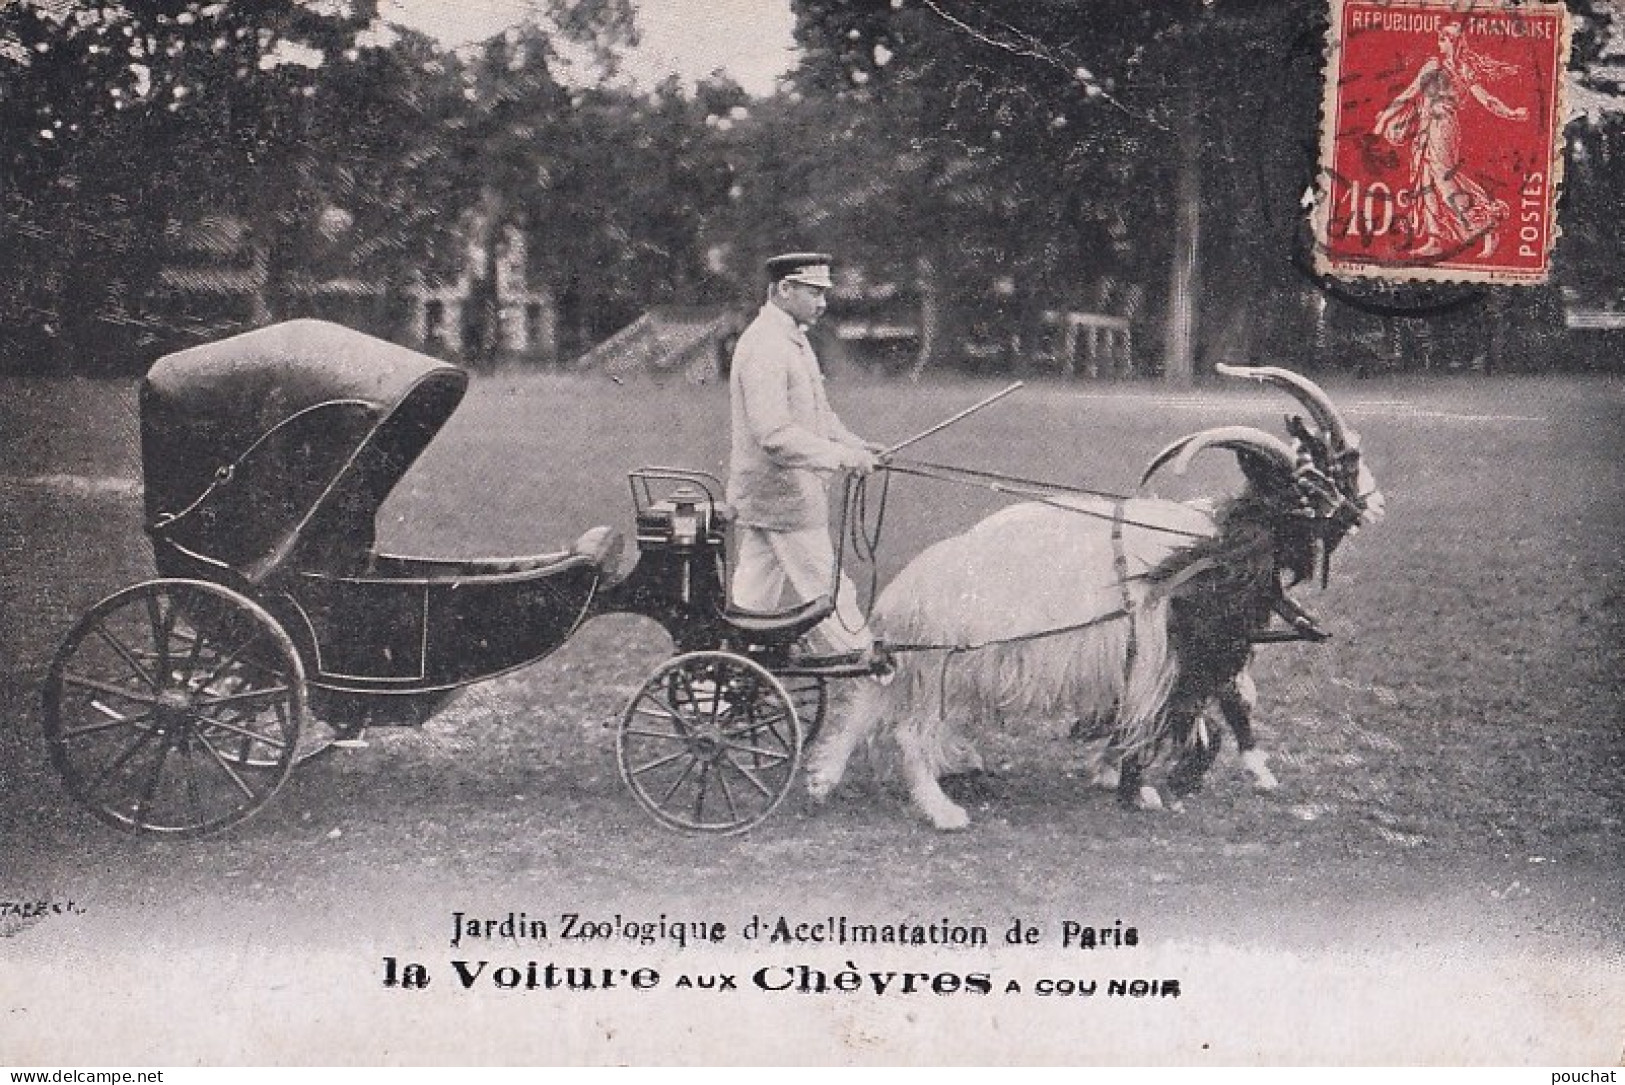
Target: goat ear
(1262, 472)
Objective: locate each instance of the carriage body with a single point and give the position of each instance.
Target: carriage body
(276, 627)
(267, 457)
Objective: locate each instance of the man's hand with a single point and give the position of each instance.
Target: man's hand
(860, 461)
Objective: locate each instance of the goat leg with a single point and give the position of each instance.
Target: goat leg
(1132, 792)
(1237, 701)
(1197, 755)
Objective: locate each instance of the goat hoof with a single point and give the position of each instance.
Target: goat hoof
(1257, 763)
(820, 785)
(1106, 778)
(1149, 799)
(950, 818)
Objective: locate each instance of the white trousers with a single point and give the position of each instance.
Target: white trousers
(765, 562)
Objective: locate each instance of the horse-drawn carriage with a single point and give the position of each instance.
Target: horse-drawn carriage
(276, 627)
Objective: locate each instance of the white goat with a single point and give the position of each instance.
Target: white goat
(1130, 615)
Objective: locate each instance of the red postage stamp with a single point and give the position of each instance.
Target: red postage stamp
(1441, 131)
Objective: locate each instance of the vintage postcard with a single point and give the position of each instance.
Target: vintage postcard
(1211, 658)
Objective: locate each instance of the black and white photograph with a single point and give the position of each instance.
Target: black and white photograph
(932, 533)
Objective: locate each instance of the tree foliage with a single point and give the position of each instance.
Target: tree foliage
(992, 161)
(1071, 147)
(313, 141)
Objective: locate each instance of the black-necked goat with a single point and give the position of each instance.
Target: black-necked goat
(1092, 613)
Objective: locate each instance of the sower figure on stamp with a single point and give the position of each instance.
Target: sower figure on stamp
(787, 445)
(1449, 209)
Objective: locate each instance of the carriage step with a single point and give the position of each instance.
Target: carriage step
(874, 661)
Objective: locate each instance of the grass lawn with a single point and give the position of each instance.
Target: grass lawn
(1471, 696)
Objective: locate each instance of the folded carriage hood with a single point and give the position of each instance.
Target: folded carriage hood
(274, 449)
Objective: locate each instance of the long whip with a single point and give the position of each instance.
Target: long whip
(945, 423)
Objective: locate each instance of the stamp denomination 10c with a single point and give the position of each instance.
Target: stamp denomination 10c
(1441, 133)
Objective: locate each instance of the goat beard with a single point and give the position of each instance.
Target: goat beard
(1325, 546)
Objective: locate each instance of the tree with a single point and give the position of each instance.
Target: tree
(141, 117)
(1183, 133)
(340, 145)
(1018, 134)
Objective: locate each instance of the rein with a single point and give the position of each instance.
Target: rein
(864, 536)
(1020, 638)
(1045, 493)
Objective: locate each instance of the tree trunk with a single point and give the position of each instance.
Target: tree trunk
(262, 311)
(1179, 356)
(931, 317)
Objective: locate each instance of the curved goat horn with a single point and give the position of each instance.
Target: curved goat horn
(1305, 391)
(1237, 438)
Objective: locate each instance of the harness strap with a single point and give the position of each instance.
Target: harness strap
(1120, 562)
(950, 650)
(1018, 639)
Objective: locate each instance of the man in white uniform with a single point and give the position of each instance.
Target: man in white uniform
(787, 447)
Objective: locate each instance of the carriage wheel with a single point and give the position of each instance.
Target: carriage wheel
(320, 736)
(317, 738)
(810, 694)
(174, 707)
(710, 743)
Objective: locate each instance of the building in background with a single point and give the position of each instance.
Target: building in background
(485, 310)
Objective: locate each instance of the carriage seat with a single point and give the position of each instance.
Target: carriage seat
(599, 547)
(779, 627)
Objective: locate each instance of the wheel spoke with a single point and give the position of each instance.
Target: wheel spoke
(225, 766)
(719, 683)
(666, 736)
(86, 682)
(113, 766)
(199, 815)
(161, 625)
(247, 698)
(749, 775)
(677, 783)
(756, 724)
(247, 734)
(665, 710)
(114, 714)
(660, 763)
(114, 723)
(231, 660)
(691, 697)
(154, 778)
(727, 795)
(700, 790)
(193, 654)
(757, 751)
(128, 656)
